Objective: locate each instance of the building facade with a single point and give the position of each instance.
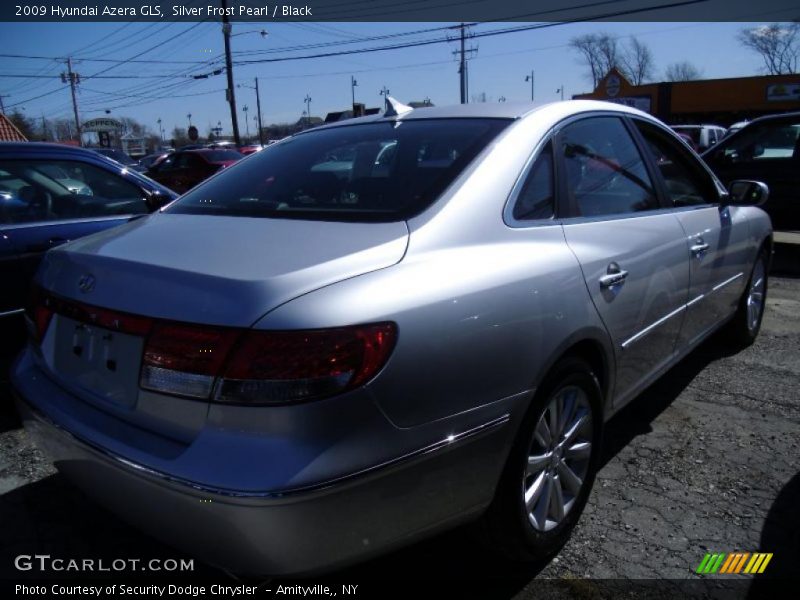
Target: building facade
(718, 101)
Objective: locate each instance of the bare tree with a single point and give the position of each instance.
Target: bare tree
(636, 62)
(778, 44)
(26, 126)
(599, 51)
(682, 71)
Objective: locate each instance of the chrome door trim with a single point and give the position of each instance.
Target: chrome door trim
(639, 335)
(652, 326)
(11, 313)
(719, 286)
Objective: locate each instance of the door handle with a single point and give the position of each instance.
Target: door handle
(699, 247)
(614, 276)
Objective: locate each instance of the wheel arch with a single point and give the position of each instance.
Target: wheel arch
(594, 347)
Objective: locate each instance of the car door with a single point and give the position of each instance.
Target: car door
(631, 249)
(766, 151)
(197, 170)
(716, 236)
(41, 213)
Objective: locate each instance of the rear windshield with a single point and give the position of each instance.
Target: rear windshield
(384, 171)
(222, 155)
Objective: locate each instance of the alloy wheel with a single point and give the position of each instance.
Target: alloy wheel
(558, 458)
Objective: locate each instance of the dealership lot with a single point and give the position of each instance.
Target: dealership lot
(705, 461)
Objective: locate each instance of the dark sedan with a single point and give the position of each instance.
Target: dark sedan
(51, 194)
(766, 149)
(184, 169)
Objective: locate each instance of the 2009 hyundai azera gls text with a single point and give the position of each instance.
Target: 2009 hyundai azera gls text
(378, 329)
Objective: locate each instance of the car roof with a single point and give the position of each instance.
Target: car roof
(777, 117)
(488, 110)
(45, 148)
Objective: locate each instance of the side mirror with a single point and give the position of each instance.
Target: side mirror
(743, 192)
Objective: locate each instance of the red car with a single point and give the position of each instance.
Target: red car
(184, 169)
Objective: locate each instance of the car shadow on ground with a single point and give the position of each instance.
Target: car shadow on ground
(634, 419)
(781, 536)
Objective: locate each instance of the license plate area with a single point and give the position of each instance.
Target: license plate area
(100, 361)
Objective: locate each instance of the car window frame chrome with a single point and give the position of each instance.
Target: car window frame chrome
(661, 185)
(567, 212)
(516, 190)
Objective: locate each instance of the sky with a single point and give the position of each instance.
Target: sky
(498, 66)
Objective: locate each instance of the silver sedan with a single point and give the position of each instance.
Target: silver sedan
(375, 330)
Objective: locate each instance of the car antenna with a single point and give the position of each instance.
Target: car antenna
(395, 108)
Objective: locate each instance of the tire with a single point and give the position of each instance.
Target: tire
(743, 329)
(508, 526)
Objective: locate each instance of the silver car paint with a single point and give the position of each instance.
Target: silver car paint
(483, 311)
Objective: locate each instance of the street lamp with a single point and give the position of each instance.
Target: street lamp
(561, 91)
(353, 84)
(246, 122)
(189, 116)
(530, 78)
(307, 100)
(262, 32)
(160, 130)
(258, 109)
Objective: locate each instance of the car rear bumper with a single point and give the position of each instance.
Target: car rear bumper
(300, 531)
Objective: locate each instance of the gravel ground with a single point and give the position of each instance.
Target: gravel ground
(705, 460)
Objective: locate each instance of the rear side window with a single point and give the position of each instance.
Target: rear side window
(604, 172)
(687, 184)
(383, 171)
(50, 190)
(536, 198)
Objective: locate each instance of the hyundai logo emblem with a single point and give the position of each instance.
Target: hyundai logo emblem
(86, 283)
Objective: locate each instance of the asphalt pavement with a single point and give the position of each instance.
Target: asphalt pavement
(706, 460)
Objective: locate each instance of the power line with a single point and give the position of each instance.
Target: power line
(429, 42)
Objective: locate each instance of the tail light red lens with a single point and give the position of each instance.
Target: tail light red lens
(284, 366)
(40, 313)
(185, 359)
(236, 365)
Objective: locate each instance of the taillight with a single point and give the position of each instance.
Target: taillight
(185, 359)
(269, 367)
(237, 365)
(40, 313)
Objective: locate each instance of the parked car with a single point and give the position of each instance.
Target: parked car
(120, 157)
(285, 371)
(184, 169)
(767, 149)
(147, 161)
(250, 149)
(704, 136)
(50, 194)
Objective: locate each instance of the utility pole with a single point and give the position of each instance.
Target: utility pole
(226, 32)
(74, 79)
(463, 68)
(530, 78)
(463, 57)
(258, 108)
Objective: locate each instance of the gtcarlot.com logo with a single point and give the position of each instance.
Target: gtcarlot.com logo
(733, 563)
(45, 562)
